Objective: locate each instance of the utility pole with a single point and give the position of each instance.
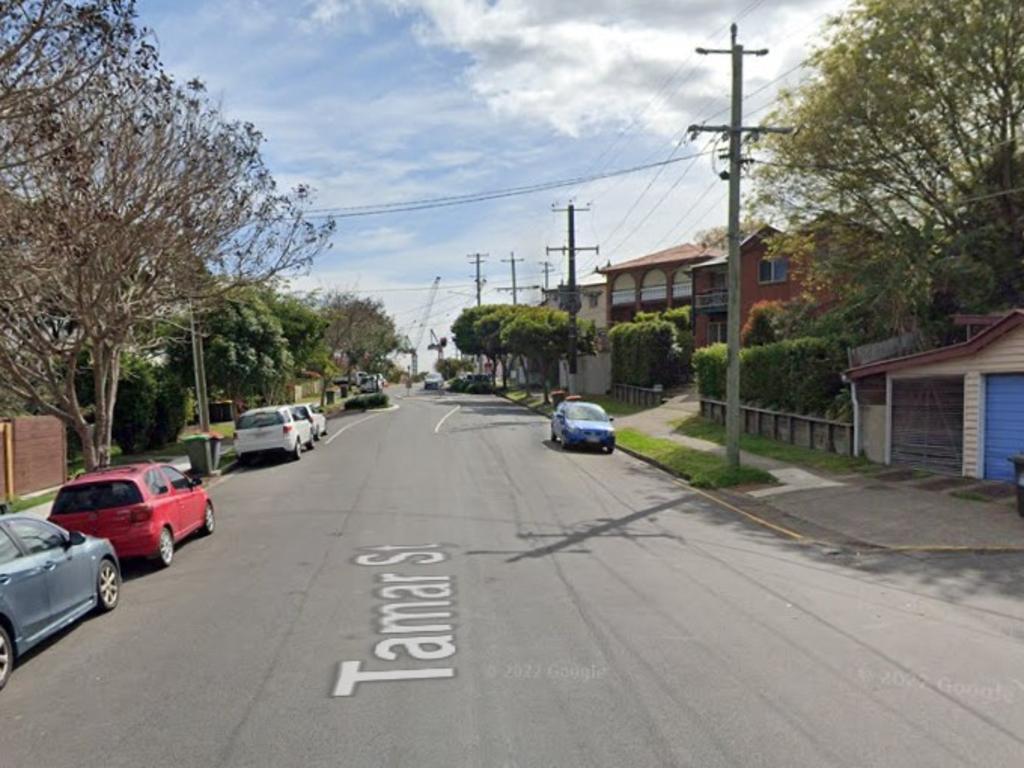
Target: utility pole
(477, 258)
(547, 270)
(199, 368)
(570, 300)
(515, 290)
(735, 131)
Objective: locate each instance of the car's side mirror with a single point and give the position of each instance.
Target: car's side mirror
(611, 418)
(74, 539)
(195, 481)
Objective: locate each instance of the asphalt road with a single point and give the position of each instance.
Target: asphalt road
(574, 610)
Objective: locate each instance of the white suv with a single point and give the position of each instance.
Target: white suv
(263, 430)
(312, 414)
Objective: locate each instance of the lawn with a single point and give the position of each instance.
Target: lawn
(699, 427)
(702, 470)
(612, 406)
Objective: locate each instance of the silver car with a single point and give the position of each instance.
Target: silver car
(49, 578)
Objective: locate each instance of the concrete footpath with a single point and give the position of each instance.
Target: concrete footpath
(886, 509)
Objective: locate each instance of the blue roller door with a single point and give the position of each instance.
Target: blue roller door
(1004, 423)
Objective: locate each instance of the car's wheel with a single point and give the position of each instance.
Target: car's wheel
(209, 520)
(311, 444)
(553, 438)
(165, 549)
(108, 586)
(297, 451)
(316, 437)
(609, 449)
(6, 657)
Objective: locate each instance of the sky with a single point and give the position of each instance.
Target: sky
(383, 101)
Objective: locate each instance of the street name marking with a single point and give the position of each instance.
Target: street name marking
(418, 599)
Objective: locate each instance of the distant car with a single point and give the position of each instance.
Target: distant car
(312, 414)
(49, 578)
(576, 423)
(433, 381)
(271, 430)
(143, 509)
(370, 383)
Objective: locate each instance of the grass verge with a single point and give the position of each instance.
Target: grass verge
(702, 470)
(21, 504)
(614, 407)
(701, 428)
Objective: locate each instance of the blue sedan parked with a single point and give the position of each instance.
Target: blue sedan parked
(575, 423)
(49, 578)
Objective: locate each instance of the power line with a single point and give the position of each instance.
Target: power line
(476, 197)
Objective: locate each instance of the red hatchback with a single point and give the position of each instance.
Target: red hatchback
(144, 509)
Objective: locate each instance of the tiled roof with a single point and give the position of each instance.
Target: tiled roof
(687, 253)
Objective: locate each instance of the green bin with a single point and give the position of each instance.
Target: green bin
(203, 453)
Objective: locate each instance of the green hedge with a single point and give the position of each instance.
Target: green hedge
(798, 375)
(709, 369)
(362, 402)
(646, 353)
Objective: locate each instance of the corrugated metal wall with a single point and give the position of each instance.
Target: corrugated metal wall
(928, 423)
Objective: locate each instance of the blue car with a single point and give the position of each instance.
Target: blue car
(576, 423)
(49, 578)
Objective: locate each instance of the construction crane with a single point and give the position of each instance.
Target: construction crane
(438, 344)
(413, 346)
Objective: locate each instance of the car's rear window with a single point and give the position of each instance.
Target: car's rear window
(261, 419)
(96, 496)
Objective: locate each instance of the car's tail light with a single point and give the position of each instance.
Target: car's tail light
(288, 428)
(140, 514)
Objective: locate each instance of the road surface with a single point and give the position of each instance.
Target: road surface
(439, 586)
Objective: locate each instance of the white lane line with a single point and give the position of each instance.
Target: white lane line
(333, 437)
(445, 418)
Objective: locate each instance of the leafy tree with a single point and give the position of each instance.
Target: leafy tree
(450, 367)
(902, 186)
(359, 333)
(247, 354)
(541, 335)
(135, 409)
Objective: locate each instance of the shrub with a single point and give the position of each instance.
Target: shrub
(799, 375)
(479, 388)
(709, 368)
(169, 410)
(133, 411)
(679, 317)
(645, 353)
(760, 327)
(362, 402)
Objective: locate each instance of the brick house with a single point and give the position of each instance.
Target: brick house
(654, 282)
(761, 279)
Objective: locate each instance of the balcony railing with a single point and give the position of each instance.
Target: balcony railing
(711, 300)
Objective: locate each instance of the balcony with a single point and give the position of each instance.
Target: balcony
(711, 301)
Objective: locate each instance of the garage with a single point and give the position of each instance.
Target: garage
(954, 410)
(928, 423)
(1004, 423)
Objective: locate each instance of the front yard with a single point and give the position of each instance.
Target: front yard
(699, 427)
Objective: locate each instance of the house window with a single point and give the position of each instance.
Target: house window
(594, 298)
(773, 270)
(717, 332)
(682, 286)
